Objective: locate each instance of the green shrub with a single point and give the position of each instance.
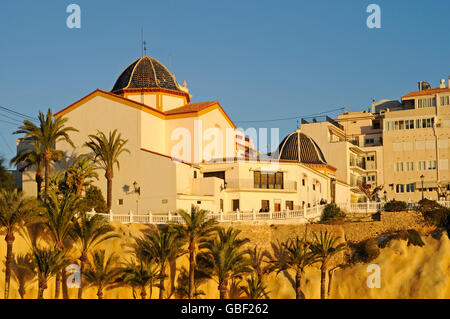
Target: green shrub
(411, 235)
(395, 206)
(365, 251)
(93, 199)
(332, 211)
(414, 238)
(428, 205)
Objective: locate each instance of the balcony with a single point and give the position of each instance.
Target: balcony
(239, 184)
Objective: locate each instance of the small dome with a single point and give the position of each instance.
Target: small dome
(146, 73)
(300, 148)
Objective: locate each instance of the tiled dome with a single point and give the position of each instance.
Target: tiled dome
(146, 73)
(301, 148)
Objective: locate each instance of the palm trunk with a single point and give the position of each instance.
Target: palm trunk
(161, 281)
(330, 277)
(57, 285)
(47, 157)
(143, 292)
(323, 273)
(65, 292)
(151, 290)
(298, 291)
(191, 269)
(9, 238)
(100, 292)
(82, 261)
(42, 286)
(39, 180)
(222, 290)
(109, 177)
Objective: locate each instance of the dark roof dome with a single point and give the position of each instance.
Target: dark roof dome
(146, 73)
(300, 148)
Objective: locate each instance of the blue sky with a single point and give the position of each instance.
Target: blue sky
(259, 59)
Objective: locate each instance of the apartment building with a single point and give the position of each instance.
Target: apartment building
(416, 146)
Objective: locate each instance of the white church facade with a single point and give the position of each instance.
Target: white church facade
(184, 154)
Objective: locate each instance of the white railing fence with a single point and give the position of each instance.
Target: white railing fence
(305, 214)
(149, 218)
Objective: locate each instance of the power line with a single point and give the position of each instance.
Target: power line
(6, 143)
(15, 124)
(18, 113)
(11, 118)
(292, 118)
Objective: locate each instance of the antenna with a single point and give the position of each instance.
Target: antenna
(143, 43)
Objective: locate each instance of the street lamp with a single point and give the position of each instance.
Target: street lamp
(137, 190)
(421, 178)
(385, 197)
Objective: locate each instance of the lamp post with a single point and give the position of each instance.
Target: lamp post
(385, 197)
(421, 178)
(137, 189)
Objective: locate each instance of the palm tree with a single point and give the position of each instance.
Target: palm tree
(103, 271)
(23, 273)
(140, 274)
(89, 232)
(50, 131)
(31, 157)
(255, 288)
(81, 173)
(324, 247)
(182, 290)
(46, 263)
(164, 246)
(15, 211)
(294, 254)
(107, 150)
(197, 228)
(225, 258)
(59, 217)
(6, 178)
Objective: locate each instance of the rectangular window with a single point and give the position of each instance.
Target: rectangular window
(265, 204)
(409, 166)
(268, 180)
(431, 165)
(410, 188)
(290, 204)
(422, 165)
(399, 166)
(399, 188)
(235, 205)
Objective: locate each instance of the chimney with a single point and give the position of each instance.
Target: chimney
(449, 81)
(420, 85)
(442, 86)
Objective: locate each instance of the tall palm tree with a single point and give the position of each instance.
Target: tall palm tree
(140, 274)
(103, 271)
(31, 157)
(164, 246)
(88, 232)
(294, 254)
(197, 228)
(324, 247)
(59, 217)
(50, 131)
(15, 210)
(107, 150)
(225, 258)
(81, 173)
(46, 263)
(255, 288)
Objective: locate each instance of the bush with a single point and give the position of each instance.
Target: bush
(395, 206)
(93, 199)
(411, 235)
(332, 212)
(365, 251)
(428, 205)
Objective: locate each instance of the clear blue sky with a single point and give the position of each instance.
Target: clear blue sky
(259, 59)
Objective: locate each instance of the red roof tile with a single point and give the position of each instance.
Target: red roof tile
(426, 92)
(193, 107)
